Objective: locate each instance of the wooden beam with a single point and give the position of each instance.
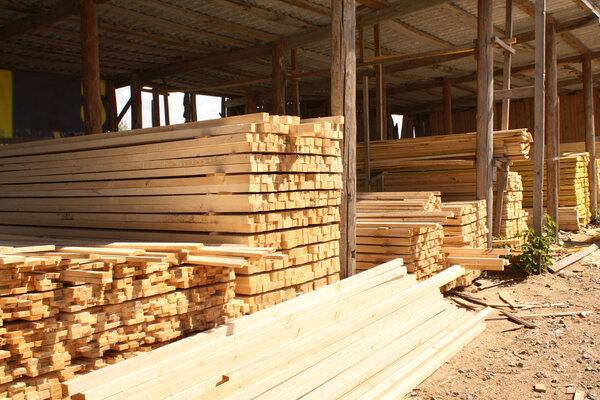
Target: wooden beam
(136, 102)
(111, 106)
(278, 76)
(58, 12)
(588, 6)
(524, 92)
(295, 84)
(90, 68)
(166, 103)
(380, 108)
(366, 132)
(485, 107)
(539, 117)
(343, 102)
(193, 107)
(400, 8)
(590, 136)
(155, 107)
(447, 98)
(552, 123)
(506, 73)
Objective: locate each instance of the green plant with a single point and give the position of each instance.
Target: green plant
(596, 218)
(535, 250)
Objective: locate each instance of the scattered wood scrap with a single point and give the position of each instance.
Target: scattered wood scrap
(573, 258)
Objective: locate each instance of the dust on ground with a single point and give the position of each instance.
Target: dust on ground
(561, 355)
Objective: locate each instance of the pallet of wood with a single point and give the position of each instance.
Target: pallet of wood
(388, 155)
(514, 217)
(573, 186)
(405, 225)
(251, 180)
(569, 218)
(399, 332)
(72, 307)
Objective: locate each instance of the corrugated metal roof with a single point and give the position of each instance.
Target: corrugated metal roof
(141, 35)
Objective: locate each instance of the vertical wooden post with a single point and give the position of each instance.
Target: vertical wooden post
(539, 117)
(193, 108)
(343, 102)
(278, 65)
(155, 107)
(447, 95)
(379, 88)
(590, 135)
(136, 101)
(508, 32)
(111, 107)
(166, 103)
(223, 107)
(485, 107)
(295, 84)
(90, 68)
(250, 106)
(552, 136)
(187, 114)
(366, 132)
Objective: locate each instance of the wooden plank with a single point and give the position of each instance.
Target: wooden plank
(278, 74)
(573, 258)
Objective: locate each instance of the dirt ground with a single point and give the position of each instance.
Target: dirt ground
(561, 353)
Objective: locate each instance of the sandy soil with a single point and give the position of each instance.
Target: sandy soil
(561, 353)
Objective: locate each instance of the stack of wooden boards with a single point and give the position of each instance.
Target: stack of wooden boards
(573, 189)
(465, 241)
(70, 309)
(447, 164)
(389, 154)
(428, 234)
(377, 334)
(514, 217)
(252, 180)
(405, 225)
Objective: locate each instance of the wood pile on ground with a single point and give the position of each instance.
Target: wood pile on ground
(573, 188)
(428, 234)
(405, 225)
(374, 335)
(251, 180)
(514, 217)
(70, 308)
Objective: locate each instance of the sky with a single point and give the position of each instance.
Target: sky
(208, 107)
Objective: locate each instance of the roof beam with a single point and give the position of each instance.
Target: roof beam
(589, 7)
(399, 8)
(58, 12)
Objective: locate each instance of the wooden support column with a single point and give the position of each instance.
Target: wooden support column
(552, 123)
(193, 107)
(539, 117)
(447, 95)
(508, 32)
(590, 135)
(295, 84)
(136, 102)
(111, 107)
(485, 107)
(155, 107)
(250, 106)
(343, 102)
(366, 132)
(166, 103)
(90, 68)
(380, 99)
(278, 76)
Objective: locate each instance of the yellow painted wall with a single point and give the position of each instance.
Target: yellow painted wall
(6, 107)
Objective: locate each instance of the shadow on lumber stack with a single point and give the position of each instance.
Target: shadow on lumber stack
(251, 180)
(377, 334)
(72, 307)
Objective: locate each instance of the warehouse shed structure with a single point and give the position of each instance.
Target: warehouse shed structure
(447, 66)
